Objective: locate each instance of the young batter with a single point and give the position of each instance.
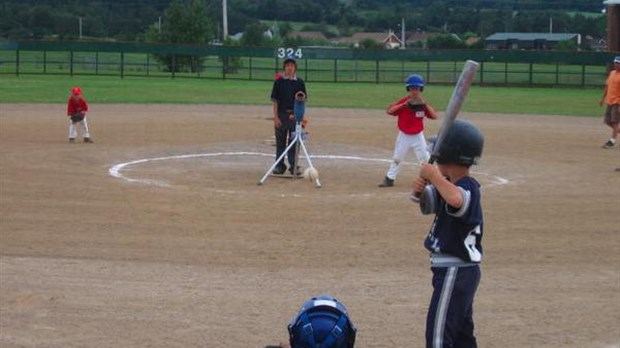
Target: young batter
(411, 111)
(76, 111)
(455, 238)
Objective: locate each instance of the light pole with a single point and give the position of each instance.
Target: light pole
(224, 20)
(402, 34)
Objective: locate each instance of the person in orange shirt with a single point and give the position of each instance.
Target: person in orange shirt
(611, 96)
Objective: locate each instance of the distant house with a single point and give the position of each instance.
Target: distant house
(388, 40)
(528, 41)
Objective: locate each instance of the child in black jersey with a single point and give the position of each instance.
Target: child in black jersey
(455, 237)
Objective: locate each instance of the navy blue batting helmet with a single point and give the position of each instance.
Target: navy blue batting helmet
(414, 80)
(462, 144)
(322, 322)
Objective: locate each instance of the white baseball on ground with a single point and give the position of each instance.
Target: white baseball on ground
(311, 173)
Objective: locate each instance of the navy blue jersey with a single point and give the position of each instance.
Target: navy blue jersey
(458, 232)
(284, 91)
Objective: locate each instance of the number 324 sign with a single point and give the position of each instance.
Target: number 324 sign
(287, 52)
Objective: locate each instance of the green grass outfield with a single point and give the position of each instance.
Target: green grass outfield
(112, 89)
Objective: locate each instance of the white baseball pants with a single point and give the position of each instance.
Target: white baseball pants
(73, 129)
(405, 143)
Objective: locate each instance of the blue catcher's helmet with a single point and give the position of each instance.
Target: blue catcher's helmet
(414, 80)
(322, 322)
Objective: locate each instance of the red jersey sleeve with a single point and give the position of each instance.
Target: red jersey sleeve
(74, 106)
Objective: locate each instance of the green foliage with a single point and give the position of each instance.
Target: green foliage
(128, 20)
(183, 23)
(231, 65)
(253, 35)
(567, 45)
(369, 43)
(446, 41)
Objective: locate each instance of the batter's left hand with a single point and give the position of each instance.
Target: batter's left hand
(429, 172)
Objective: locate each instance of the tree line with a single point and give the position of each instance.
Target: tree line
(131, 20)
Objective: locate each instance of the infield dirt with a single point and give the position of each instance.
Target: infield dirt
(192, 253)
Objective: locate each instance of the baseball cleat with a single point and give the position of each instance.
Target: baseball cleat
(279, 170)
(71, 140)
(297, 172)
(387, 182)
(88, 140)
(609, 144)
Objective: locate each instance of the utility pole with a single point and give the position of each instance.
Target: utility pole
(80, 22)
(550, 25)
(402, 33)
(224, 21)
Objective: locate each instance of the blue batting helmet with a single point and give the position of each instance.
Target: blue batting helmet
(322, 322)
(414, 80)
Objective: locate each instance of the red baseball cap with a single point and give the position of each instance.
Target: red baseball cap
(76, 91)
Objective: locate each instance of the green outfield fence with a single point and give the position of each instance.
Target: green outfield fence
(510, 68)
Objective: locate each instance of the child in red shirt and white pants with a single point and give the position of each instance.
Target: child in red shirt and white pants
(76, 111)
(411, 111)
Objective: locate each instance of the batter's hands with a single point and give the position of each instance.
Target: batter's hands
(430, 172)
(418, 186)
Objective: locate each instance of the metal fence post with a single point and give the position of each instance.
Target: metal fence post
(557, 73)
(335, 70)
(224, 66)
(44, 62)
(250, 64)
(122, 65)
(148, 63)
(174, 65)
(506, 72)
(583, 75)
(376, 71)
(96, 63)
(531, 73)
(17, 62)
(71, 63)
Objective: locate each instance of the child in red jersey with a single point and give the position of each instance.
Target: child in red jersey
(411, 112)
(76, 111)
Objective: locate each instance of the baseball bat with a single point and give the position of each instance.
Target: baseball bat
(454, 106)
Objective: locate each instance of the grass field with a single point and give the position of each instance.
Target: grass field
(110, 89)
